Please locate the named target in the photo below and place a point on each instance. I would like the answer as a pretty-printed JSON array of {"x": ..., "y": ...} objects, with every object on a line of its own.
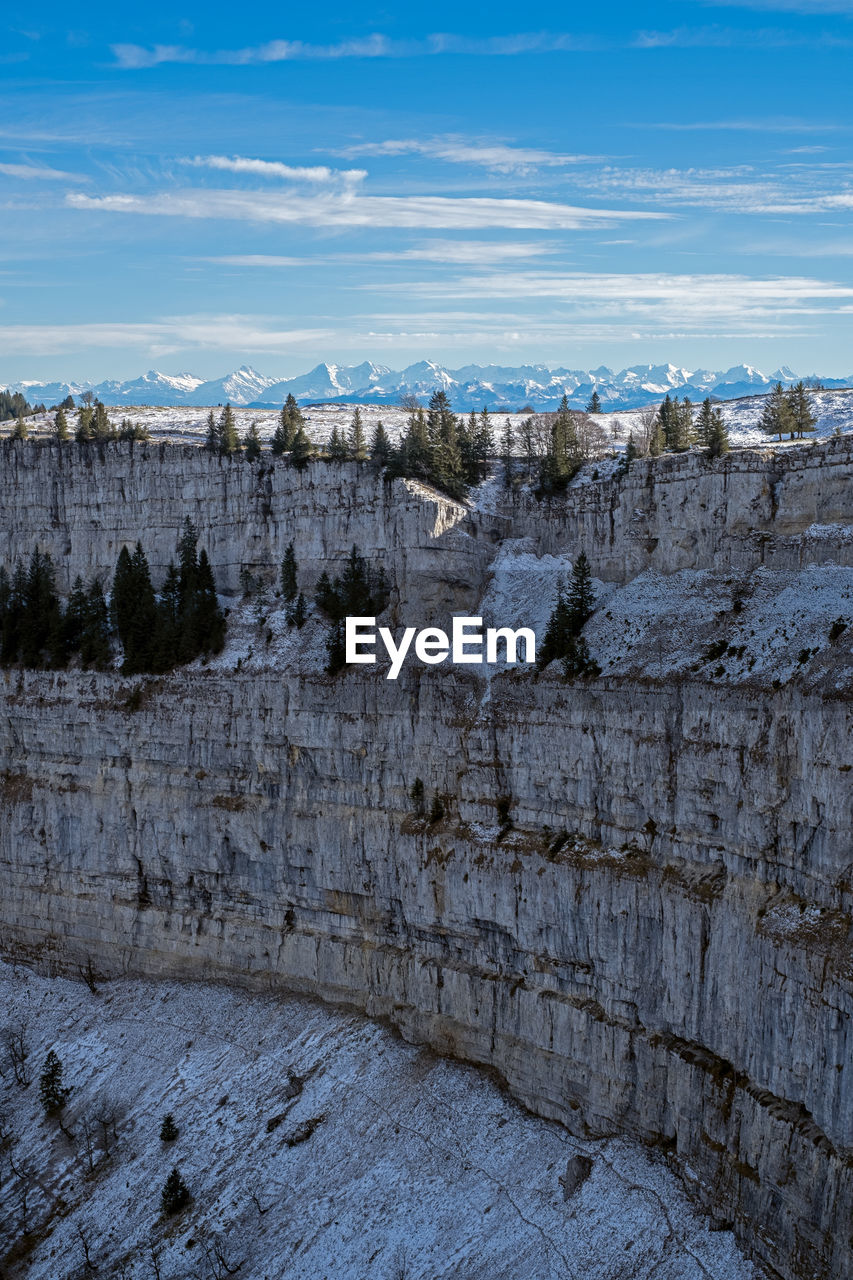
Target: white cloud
[
  {"x": 349, "y": 209},
  {"x": 772, "y": 124},
  {"x": 41, "y": 173},
  {"x": 789, "y": 6},
  {"x": 498, "y": 156},
  {"x": 794, "y": 189},
  {"x": 160, "y": 337},
  {"x": 138, "y": 57},
  {"x": 456, "y": 252},
  {"x": 696, "y": 302},
  {"x": 320, "y": 174},
  {"x": 716, "y": 37}
]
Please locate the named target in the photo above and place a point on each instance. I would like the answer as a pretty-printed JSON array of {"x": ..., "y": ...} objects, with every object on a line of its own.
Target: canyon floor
[{"x": 315, "y": 1144}]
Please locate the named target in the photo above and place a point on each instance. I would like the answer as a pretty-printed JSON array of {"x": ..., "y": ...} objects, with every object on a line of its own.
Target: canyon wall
[{"x": 635, "y": 905}]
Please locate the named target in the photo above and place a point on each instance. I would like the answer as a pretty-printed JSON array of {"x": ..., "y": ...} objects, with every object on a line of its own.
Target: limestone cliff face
[
  {"x": 636, "y": 905},
  {"x": 83, "y": 503},
  {"x": 683, "y": 512}
]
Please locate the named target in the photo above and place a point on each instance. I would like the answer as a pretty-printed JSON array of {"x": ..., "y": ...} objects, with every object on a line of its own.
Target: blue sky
[{"x": 200, "y": 186}]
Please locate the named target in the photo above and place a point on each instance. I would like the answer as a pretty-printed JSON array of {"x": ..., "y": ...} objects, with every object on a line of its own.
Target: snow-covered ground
[
  {"x": 771, "y": 625},
  {"x": 834, "y": 410},
  {"x": 316, "y": 1146}
]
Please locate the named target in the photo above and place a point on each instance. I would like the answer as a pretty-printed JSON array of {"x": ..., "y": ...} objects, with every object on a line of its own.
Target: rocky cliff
[{"x": 636, "y": 903}]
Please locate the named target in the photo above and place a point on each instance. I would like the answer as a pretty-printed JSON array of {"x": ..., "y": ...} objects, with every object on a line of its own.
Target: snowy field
[
  {"x": 316, "y": 1146},
  {"x": 834, "y": 410},
  {"x": 770, "y": 625}
]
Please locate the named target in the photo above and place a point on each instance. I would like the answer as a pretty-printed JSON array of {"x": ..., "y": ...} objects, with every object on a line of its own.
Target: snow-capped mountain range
[{"x": 469, "y": 387}]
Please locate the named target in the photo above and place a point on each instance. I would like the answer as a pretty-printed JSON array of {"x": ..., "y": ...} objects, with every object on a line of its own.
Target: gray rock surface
[{"x": 658, "y": 945}]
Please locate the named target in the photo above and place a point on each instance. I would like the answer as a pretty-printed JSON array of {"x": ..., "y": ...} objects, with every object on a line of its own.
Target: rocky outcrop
[
  {"x": 636, "y": 904},
  {"x": 83, "y": 503},
  {"x": 682, "y": 511}
]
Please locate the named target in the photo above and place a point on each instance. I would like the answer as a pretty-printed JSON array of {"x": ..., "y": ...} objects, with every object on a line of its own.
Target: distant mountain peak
[{"x": 469, "y": 387}]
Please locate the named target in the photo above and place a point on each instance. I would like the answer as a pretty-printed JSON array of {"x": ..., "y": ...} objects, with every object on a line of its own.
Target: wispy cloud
[
  {"x": 355, "y": 210},
  {"x": 717, "y": 37},
  {"x": 773, "y": 124},
  {"x": 40, "y": 173},
  {"x": 320, "y": 174},
  {"x": 500, "y": 157},
  {"x": 161, "y": 337},
  {"x": 798, "y": 189},
  {"x": 686, "y": 300},
  {"x": 138, "y": 57},
  {"x": 789, "y": 6},
  {"x": 442, "y": 252}
]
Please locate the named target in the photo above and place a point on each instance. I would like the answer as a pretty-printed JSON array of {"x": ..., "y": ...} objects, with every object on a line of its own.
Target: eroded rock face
[{"x": 636, "y": 908}]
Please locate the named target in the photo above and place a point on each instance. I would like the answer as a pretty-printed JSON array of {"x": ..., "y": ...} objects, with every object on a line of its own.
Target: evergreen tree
[
  {"x": 210, "y": 620},
  {"x": 682, "y": 434},
  {"x": 507, "y": 451},
  {"x": 74, "y": 619},
  {"x": 229, "y": 441},
  {"x": 466, "y": 437},
  {"x": 168, "y": 1129},
  {"x": 297, "y": 612},
  {"x": 14, "y": 602},
  {"x": 563, "y": 638},
  {"x": 294, "y": 413},
  {"x": 121, "y": 596},
  {"x": 95, "y": 637},
  {"x": 280, "y": 442},
  {"x": 188, "y": 561},
  {"x": 302, "y": 449},
  {"x": 594, "y": 405},
  {"x": 175, "y": 1194},
  {"x": 134, "y": 610},
  {"x": 445, "y": 463},
  {"x": 801, "y": 410},
  {"x": 417, "y": 794},
  {"x": 577, "y": 661},
  {"x": 337, "y": 446},
  {"x": 21, "y": 430},
  {"x": 213, "y": 439},
  {"x": 564, "y": 457},
  {"x": 416, "y": 452},
  {"x": 289, "y": 587},
  {"x": 580, "y": 598},
  {"x": 12, "y": 405},
  {"x": 557, "y": 632},
  {"x": 360, "y": 591},
  {"x": 84, "y": 432},
  {"x": 631, "y": 450},
  {"x": 356, "y": 444},
  {"x": 60, "y": 424},
  {"x": 52, "y": 1093},
  {"x": 668, "y": 417},
  {"x": 717, "y": 438},
  {"x": 252, "y": 443},
  {"x": 380, "y": 445},
  {"x": 484, "y": 444},
  {"x": 657, "y": 439},
  {"x": 102, "y": 428},
  {"x": 289, "y": 421},
  {"x": 777, "y": 417},
  {"x": 704, "y": 422},
  {"x": 133, "y": 430},
  {"x": 324, "y": 594},
  {"x": 40, "y": 625}
]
